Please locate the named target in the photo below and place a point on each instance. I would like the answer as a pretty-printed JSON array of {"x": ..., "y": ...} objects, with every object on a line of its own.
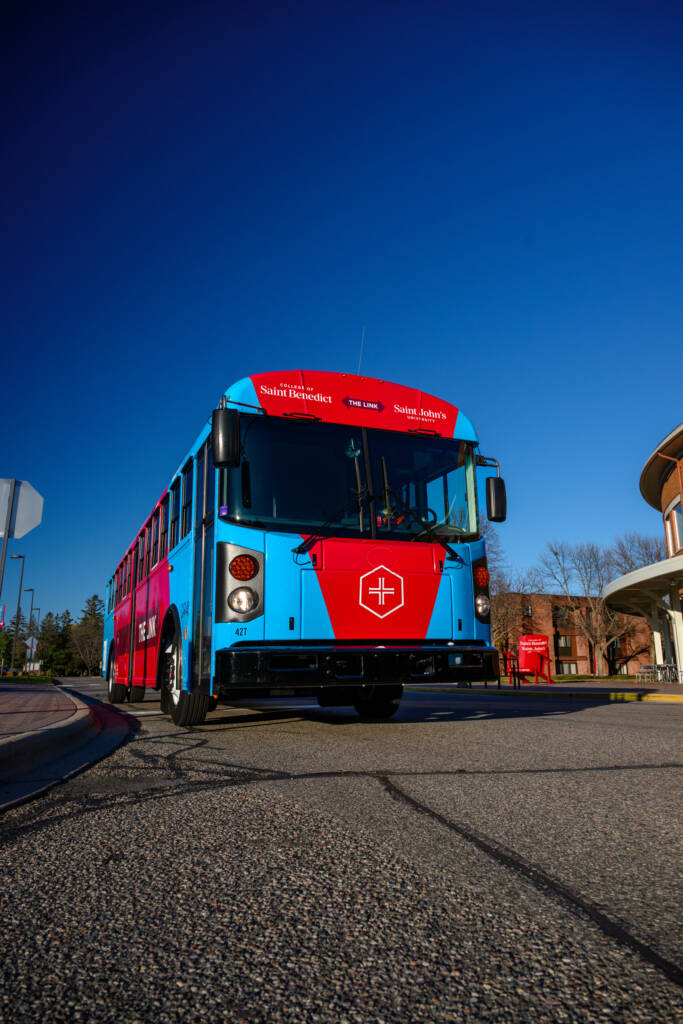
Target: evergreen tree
[
  {"x": 48, "y": 642},
  {"x": 7, "y": 640}
]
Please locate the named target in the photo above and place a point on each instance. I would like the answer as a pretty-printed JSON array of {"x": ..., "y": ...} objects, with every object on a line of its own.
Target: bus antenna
[{"x": 362, "y": 342}]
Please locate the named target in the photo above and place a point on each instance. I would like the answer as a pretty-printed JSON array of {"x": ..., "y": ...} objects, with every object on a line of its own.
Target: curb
[
  {"x": 608, "y": 695},
  {"x": 30, "y": 750}
]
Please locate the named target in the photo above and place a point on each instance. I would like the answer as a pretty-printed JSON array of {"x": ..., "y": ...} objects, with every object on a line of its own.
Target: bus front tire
[
  {"x": 116, "y": 692},
  {"x": 184, "y": 708},
  {"x": 136, "y": 694},
  {"x": 379, "y": 704}
]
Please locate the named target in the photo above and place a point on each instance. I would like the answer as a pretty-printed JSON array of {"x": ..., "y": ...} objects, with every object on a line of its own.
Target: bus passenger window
[
  {"x": 199, "y": 497},
  {"x": 186, "y": 520},
  {"x": 175, "y": 513},
  {"x": 148, "y": 548},
  {"x": 211, "y": 482},
  {"x": 163, "y": 529},
  {"x": 141, "y": 557},
  {"x": 155, "y": 538}
]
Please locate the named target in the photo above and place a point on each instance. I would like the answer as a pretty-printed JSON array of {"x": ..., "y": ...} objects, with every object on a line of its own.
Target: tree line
[
  {"x": 65, "y": 647},
  {"x": 578, "y": 574}
]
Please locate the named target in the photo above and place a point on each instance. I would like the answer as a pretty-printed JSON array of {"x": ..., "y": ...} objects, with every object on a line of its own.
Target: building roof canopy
[
  {"x": 639, "y": 592},
  {"x": 656, "y": 470}
]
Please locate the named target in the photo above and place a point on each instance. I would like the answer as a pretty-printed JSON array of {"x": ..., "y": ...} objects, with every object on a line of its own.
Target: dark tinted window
[
  {"x": 186, "y": 516},
  {"x": 163, "y": 529},
  {"x": 155, "y": 538},
  {"x": 175, "y": 513}
]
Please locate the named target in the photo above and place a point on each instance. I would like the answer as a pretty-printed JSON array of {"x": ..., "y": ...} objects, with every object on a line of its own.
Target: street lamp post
[
  {"x": 30, "y": 617},
  {"x": 30, "y": 650},
  {"x": 16, "y": 622}
]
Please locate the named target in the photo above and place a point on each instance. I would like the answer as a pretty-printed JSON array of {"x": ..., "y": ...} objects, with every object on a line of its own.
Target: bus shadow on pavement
[{"x": 422, "y": 708}]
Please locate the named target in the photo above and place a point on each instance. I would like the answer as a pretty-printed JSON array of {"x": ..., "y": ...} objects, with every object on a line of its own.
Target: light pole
[
  {"x": 30, "y": 617},
  {"x": 30, "y": 651},
  {"x": 16, "y": 622}
]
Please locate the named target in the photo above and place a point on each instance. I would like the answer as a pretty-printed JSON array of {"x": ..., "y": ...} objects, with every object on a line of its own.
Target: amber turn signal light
[
  {"x": 243, "y": 567},
  {"x": 481, "y": 577}
]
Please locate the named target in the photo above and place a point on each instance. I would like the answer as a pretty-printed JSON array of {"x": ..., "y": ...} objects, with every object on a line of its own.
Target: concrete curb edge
[
  {"x": 31, "y": 749},
  {"x": 608, "y": 695}
]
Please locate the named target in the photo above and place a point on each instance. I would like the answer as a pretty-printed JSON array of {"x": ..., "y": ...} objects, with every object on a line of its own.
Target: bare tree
[
  {"x": 512, "y": 608},
  {"x": 580, "y": 572},
  {"x": 633, "y": 551},
  {"x": 86, "y": 635},
  {"x": 495, "y": 556}
]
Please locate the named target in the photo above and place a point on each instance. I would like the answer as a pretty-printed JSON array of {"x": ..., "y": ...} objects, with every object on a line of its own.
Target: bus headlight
[
  {"x": 482, "y": 604},
  {"x": 243, "y": 600}
]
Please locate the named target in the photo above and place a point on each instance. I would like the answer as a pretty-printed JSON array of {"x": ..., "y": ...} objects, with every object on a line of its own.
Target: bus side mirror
[
  {"x": 225, "y": 437},
  {"x": 496, "y": 500}
]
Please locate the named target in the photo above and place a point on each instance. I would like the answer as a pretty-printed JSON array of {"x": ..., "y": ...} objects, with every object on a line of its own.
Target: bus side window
[
  {"x": 199, "y": 497},
  {"x": 148, "y": 547},
  {"x": 163, "y": 528},
  {"x": 186, "y": 522},
  {"x": 155, "y": 537},
  {"x": 141, "y": 557},
  {"x": 175, "y": 513},
  {"x": 210, "y": 481}
]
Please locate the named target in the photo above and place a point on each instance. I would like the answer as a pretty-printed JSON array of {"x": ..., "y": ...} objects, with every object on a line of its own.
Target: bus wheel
[
  {"x": 380, "y": 703},
  {"x": 136, "y": 694},
  {"x": 116, "y": 692},
  {"x": 185, "y": 708}
]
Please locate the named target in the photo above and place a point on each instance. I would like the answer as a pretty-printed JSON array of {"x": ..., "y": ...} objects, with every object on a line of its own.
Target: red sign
[
  {"x": 349, "y": 398},
  {"x": 533, "y": 652}
]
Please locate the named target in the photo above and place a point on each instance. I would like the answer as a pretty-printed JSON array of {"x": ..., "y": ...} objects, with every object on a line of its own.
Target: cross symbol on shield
[{"x": 381, "y": 591}]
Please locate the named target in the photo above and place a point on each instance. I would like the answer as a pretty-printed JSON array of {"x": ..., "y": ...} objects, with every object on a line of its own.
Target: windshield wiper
[
  {"x": 360, "y": 492},
  {"x": 414, "y": 515},
  {"x": 313, "y": 538},
  {"x": 352, "y": 452}
]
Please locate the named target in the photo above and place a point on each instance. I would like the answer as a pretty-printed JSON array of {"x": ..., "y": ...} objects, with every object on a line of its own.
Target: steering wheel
[{"x": 431, "y": 518}]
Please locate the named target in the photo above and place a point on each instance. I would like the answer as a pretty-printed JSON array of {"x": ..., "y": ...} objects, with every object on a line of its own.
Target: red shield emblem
[{"x": 381, "y": 591}]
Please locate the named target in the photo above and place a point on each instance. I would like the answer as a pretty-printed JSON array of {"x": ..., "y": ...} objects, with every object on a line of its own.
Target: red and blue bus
[{"x": 320, "y": 538}]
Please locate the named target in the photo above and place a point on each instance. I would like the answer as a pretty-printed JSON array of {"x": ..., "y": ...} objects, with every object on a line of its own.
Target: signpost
[{"x": 21, "y": 510}]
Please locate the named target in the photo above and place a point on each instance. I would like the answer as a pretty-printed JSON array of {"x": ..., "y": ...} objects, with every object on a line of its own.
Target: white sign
[{"x": 27, "y": 511}]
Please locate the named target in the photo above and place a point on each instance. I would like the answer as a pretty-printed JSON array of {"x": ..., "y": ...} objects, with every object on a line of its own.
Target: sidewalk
[{"x": 47, "y": 734}]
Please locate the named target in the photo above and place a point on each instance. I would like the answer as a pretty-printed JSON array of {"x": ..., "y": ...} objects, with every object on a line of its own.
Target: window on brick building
[
  {"x": 567, "y": 668},
  {"x": 564, "y": 642}
]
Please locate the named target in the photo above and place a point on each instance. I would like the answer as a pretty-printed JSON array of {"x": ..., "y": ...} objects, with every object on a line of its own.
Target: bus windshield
[{"x": 325, "y": 478}]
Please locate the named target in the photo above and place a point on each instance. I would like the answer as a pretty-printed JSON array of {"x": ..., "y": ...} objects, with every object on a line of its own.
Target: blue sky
[{"x": 192, "y": 193}]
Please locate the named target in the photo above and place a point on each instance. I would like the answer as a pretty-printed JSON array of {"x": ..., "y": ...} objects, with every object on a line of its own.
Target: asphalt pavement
[
  {"x": 482, "y": 856},
  {"x": 50, "y": 730}
]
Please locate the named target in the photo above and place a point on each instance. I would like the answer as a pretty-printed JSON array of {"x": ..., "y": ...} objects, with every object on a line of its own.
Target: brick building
[{"x": 515, "y": 614}]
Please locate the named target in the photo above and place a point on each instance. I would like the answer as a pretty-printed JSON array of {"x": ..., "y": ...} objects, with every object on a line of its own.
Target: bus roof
[{"x": 349, "y": 398}]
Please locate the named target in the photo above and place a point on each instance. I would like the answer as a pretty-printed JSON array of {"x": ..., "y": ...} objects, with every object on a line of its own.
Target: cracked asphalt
[{"x": 476, "y": 858}]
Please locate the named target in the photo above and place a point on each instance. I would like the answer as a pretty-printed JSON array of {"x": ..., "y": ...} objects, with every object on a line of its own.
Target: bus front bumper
[{"x": 311, "y": 667}]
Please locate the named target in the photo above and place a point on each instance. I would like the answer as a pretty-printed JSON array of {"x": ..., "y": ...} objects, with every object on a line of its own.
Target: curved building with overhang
[{"x": 655, "y": 590}]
